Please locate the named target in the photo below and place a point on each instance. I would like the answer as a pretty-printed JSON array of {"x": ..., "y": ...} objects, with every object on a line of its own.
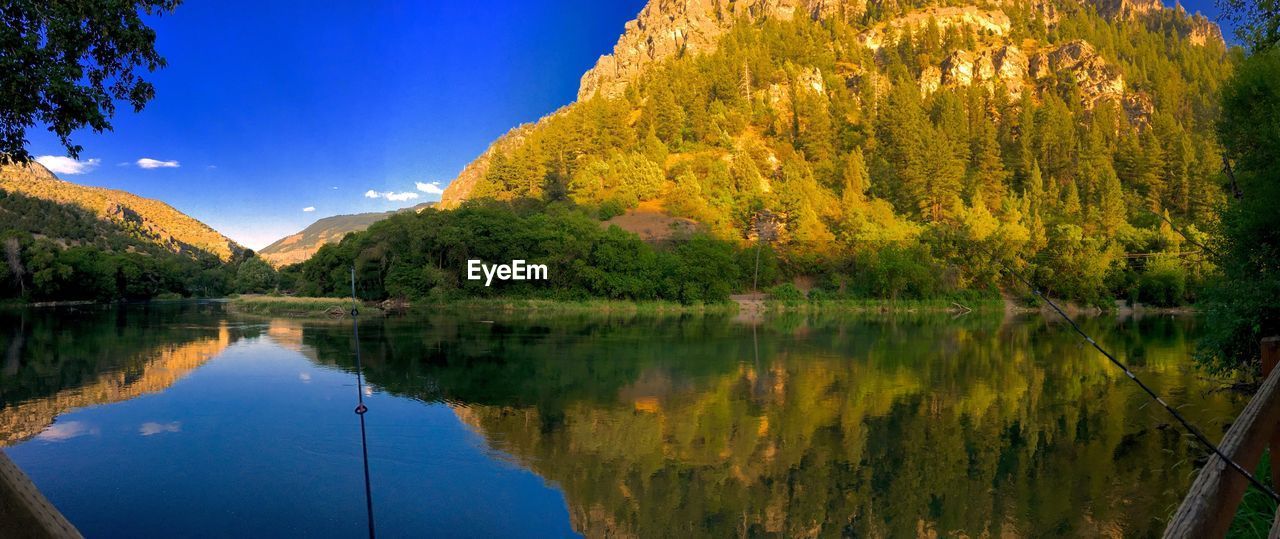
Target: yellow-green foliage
[{"x": 855, "y": 152}]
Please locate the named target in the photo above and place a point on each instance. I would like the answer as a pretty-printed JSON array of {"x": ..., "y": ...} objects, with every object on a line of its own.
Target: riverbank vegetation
[{"x": 1243, "y": 306}]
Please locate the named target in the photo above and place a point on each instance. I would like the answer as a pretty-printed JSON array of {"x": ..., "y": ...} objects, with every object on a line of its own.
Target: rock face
[
  {"x": 1204, "y": 31},
  {"x": 1009, "y": 65},
  {"x": 150, "y": 220},
  {"x": 665, "y": 28},
  {"x": 1126, "y": 9},
  {"x": 991, "y": 21},
  {"x": 1096, "y": 78},
  {"x": 460, "y": 188}
]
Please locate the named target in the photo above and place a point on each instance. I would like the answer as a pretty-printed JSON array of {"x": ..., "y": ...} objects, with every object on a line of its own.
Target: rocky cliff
[{"x": 666, "y": 28}]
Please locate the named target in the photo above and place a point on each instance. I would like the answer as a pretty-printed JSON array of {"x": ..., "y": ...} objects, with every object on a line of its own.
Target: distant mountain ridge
[
  {"x": 149, "y": 221},
  {"x": 298, "y": 247}
]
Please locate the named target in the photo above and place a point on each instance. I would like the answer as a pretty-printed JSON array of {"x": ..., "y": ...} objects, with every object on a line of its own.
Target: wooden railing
[{"x": 1210, "y": 506}]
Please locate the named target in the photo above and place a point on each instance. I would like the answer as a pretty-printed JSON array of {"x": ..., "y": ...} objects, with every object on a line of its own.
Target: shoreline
[
  {"x": 750, "y": 305},
  {"x": 742, "y": 305}
]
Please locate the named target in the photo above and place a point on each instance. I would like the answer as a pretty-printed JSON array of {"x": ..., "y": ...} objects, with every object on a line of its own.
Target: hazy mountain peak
[{"x": 300, "y": 246}]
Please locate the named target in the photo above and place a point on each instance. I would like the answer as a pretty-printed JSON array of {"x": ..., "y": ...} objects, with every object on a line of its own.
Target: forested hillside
[
  {"x": 63, "y": 241},
  {"x": 891, "y": 139}
]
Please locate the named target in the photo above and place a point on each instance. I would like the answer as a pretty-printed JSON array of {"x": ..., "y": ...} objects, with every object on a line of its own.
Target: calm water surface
[{"x": 184, "y": 420}]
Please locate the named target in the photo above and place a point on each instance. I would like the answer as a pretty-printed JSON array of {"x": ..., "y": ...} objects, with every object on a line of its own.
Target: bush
[
  {"x": 611, "y": 208},
  {"x": 819, "y": 294},
  {"x": 1164, "y": 283},
  {"x": 786, "y": 292},
  {"x": 897, "y": 273}
]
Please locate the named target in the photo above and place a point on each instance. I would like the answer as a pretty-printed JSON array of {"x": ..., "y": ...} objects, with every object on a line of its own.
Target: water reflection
[
  {"x": 61, "y": 360},
  {"x": 698, "y": 426},
  {"x": 816, "y": 427}
]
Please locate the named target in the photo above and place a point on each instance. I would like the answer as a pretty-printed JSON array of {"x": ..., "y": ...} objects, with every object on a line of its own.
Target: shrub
[
  {"x": 786, "y": 292},
  {"x": 1164, "y": 283}
]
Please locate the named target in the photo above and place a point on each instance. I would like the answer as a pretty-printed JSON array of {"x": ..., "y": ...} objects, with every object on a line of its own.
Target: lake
[{"x": 185, "y": 420}]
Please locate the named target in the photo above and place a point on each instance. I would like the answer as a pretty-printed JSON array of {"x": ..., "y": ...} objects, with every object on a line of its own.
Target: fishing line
[
  {"x": 1195, "y": 432},
  {"x": 360, "y": 407}
]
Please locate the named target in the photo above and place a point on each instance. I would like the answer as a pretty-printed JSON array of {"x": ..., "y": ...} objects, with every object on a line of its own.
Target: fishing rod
[
  {"x": 1186, "y": 424},
  {"x": 360, "y": 407}
]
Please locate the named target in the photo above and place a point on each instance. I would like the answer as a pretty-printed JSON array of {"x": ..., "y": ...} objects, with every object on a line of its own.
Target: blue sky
[{"x": 269, "y": 108}]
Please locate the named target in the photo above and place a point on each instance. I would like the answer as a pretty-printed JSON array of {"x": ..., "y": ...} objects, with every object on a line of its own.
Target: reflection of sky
[
  {"x": 241, "y": 448},
  {"x": 65, "y": 430},
  {"x": 151, "y": 427}
]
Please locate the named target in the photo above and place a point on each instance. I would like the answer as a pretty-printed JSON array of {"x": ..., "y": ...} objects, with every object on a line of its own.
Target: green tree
[
  {"x": 1110, "y": 201},
  {"x": 855, "y": 181},
  {"x": 255, "y": 276},
  {"x": 1243, "y": 308},
  {"x": 65, "y": 63}
]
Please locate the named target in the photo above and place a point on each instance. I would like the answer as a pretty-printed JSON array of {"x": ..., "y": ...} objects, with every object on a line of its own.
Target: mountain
[
  {"x": 74, "y": 214},
  {"x": 722, "y": 96},
  {"x": 884, "y": 149},
  {"x": 298, "y": 247}
]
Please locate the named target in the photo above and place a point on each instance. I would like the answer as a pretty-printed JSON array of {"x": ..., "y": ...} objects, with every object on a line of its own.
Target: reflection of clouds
[
  {"x": 152, "y": 427},
  {"x": 368, "y": 391},
  {"x": 305, "y": 377},
  {"x": 65, "y": 431}
]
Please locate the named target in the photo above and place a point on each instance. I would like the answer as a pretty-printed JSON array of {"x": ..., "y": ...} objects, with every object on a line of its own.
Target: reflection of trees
[
  {"x": 59, "y": 361},
  {"x": 883, "y": 427}
]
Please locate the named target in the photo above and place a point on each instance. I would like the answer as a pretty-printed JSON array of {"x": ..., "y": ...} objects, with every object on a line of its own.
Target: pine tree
[
  {"x": 1034, "y": 188},
  {"x": 1071, "y": 206},
  {"x": 856, "y": 181},
  {"x": 1111, "y": 207},
  {"x": 902, "y": 129},
  {"x": 668, "y": 117},
  {"x": 987, "y": 173},
  {"x": 814, "y": 132}
]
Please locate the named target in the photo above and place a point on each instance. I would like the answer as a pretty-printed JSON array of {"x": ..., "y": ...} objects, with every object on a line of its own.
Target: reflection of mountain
[
  {"x": 156, "y": 369},
  {"x": 880, "y": 428},
  {"x": 288, "y": 334}
]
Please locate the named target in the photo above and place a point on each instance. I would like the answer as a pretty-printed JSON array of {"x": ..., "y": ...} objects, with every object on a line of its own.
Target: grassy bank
[
  {"x": 307, "y": 307},
  {"x": 1256, "y": 512},
  {"x": 883, "y": 305},
  {"x": 294, "y": 307},
  {"x": 576, "y": 306},
  {"x": 312, "y": 307}
]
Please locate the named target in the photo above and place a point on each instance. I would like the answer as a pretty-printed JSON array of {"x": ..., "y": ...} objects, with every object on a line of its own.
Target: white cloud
[
  {"x": 309, "y": 209},
  {"x": 58, "y": 432},
  {"x": 391, "y": 195},
  {"x": 432, "y": 188},
  {"x": 66, "y": 165},
  {"x": 149, "y": 163},
  {"x": 152, "y": 427}
]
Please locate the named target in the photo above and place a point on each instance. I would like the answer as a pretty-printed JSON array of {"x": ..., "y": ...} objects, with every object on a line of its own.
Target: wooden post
[
  {"x": 24, "y": 511},
  {"x": 1271, "y": 356},
  {"x": 1210, "y": 505}
]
